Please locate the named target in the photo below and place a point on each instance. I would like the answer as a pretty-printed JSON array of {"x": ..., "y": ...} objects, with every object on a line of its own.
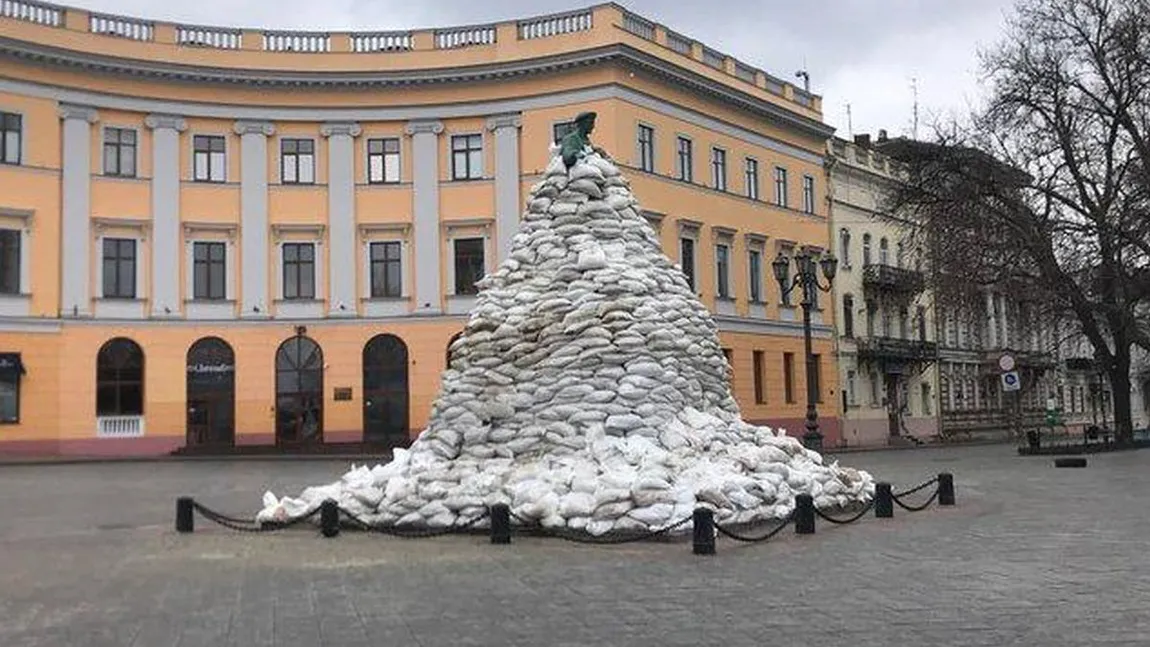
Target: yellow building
[{"x": 222, "y": 236}]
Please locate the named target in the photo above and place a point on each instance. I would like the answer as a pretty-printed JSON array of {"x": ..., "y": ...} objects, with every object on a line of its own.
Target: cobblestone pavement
[{"x": 1032, "y": 555}]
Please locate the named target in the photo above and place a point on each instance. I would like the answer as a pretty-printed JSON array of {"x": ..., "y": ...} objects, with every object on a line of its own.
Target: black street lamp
[{"x": 807, "y": 277}]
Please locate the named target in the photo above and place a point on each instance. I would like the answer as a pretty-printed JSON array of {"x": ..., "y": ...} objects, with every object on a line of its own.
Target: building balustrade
[
  {"x": 888, "y": 278},
  {"x": 119, "y": 426},
  {"x": 888, "y": 349}
]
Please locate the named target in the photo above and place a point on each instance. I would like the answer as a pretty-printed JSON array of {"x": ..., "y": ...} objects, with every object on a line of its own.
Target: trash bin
[{"x": 1033, "y": 438}]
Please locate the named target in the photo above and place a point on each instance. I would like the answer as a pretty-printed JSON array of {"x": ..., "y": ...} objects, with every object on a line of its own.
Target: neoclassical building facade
[{"x": 222, "y": 237}]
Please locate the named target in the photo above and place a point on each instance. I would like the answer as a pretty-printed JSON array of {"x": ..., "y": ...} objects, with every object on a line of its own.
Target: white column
[
  {"x": 166, "y": 131},
  {"x": 425, "y": 209},
  {"x": 254, "y": 217},
  {"x": 75, "y": 208},
  {"x": 341, "y": 216},
  {"x": 991, "y": 323},
  {"x": 1005, "y": 315},
  {"x": 507, "y": 181}
]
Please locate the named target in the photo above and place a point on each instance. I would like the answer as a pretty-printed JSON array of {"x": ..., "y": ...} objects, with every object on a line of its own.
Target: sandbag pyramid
[{"x": 587, "y": 391}]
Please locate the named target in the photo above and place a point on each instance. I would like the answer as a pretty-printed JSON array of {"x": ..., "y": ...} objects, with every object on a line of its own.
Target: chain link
[
  {"x": 413, "y": 533},
  {"x": 853, "y": 518},
  {"x": 250, "y": 525},
  {"x": 915, "y": 508},
  {"x": 917, "y": 488},
  {"x": 751, "y": 540},
  {"x": 608, "y": 538}
]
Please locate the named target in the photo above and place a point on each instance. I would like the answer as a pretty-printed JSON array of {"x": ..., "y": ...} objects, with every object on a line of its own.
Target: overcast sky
[{"x": 859, "y": 52}]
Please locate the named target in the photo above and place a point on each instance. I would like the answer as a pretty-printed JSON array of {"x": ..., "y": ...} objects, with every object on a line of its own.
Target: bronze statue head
[{"x": 585, "y": 122}]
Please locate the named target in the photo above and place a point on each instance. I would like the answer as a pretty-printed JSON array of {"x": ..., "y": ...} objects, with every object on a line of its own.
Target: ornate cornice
[
  {"x": 618, "y": 52},
  {"x": 88, "y": 114},
  {"x": 174, "y": 122},
  {"x": 504, "y": 121},
  {"x": 426, "y": 126},
  {"x": 340, "y": 128},
  {"x": 244, "y": 127}
]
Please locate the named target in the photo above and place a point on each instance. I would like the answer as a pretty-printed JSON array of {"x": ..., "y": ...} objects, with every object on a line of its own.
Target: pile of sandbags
[{"x": 588, "y": 390}]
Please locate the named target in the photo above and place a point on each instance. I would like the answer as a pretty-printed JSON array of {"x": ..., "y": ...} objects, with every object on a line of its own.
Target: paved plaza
[{"x": 1032, "y": 555}]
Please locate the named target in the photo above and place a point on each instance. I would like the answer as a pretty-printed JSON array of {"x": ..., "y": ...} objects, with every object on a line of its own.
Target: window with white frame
[
  {"x": 383, "y": 160},
  {"x": 723, "y": 270},
  {"x": 851, "y": 378},
  {"x": 645, "y": 136},
  {"x": 845, "y": 247},
  {"x": 719, "y": 169},
  {"x": 297, "y": 161},
  {"x": 209, "y": 158},
  {"x": 808, "y": 194},
  {"x": 466, "y": 157},
  {"x": 561, "y": 130},
  {"x": 866, "y": 249},
  {"x": 120, "y": 152},
  {"x": 780, "y": 186},
  {"x": 755, "y": 275},
  {"x": 11, "y": 137},
  {"x": 687, "y": 239},
  {"x": 298, "y": 270},
  {"x": 119, "y": 260},
  {"x": 470, "y": 263},
  {"x": 751, "y": 178},
  {"x": 10, "y": 260},
  {"x": 883, "y": 252},
  {"x": 685, "y": 163},
  {"x": 386, "y": 269},
  {"x": 209, "y": 270}
]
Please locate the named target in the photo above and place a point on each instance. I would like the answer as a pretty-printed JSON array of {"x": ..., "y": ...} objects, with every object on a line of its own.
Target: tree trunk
[{"x": 1119, "y": 375}]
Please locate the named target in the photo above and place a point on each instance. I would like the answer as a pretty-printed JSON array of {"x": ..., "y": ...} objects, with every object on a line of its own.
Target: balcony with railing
[
  {"x": 1028, "y": 360},
  {"x": 879, "y": 277},
  {"x": 119, "y": 426},
  {"x": 60, "y": 26},
  {"x": 895, "y": 350}
]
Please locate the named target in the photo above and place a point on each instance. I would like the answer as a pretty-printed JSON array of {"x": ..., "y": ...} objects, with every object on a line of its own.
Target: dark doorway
[
  {"x": 385, "y": 393},
  {"x": 893, "y": 404},
  {"x": 299, "y": 392},
  {"x": 211, "y": 393}
]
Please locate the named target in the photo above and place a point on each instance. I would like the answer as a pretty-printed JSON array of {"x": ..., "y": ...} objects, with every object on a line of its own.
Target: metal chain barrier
[
  {"x": 413, "y": 533},
  {"x": 917, "y": 488},
  {"x": 853, "y": 518},
  {"x": 915, "y": 508},
  {"x": 250, "y": 525},
  {"x": 613, "y": 537},
  {"x": 751, "y": 540}
]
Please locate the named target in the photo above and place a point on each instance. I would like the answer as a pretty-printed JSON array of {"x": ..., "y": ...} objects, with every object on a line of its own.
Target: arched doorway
[
  {"x": 120, "y": 383},
  {"x": 385, "y": 394},
  {"x": 299, "y": 392},
  {"x": 211, "y": 393}
]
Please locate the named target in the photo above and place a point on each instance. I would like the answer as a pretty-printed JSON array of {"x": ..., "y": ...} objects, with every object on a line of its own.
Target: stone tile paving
[{"x": 1032, "y": 555}]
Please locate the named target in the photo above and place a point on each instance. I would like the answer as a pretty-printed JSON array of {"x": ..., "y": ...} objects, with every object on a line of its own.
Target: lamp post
[{"x": 807, "y": 277}]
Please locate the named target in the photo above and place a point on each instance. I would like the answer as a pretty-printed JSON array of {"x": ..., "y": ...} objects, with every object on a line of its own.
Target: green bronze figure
[{"x": 575, "y": 142}]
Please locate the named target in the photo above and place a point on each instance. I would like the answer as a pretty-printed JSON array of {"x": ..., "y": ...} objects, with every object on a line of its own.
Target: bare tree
[{"x": 1044, "y": 192}]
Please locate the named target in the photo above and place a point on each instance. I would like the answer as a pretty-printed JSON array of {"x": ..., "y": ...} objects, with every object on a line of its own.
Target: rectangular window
[
  {"x": 386, "y": 270},
  {"x": 560, "y": 130},
  {"x": 723, "y": 270},
  {"x": 209, "y": 268},
  {"x": 466, "y": 157},
  {"x": 11, "y": 137},
  {"x": 757, "y": 361},
  {"x": 780, "y": 186},
  {"x": 686, "y": 160},
  {"x": 789, "y": 377},
  {"x": 752, "y": 178},
  {"x": 120, "y": 152},
  {"x": 208, "y": 159},
  {"x": 119, "y": 268},
  {"x": 299, "y": 270},
  {"x": 646, "y": 143},
  {"x": 687, "y": 260},
  {"x": 755, "y": 265},
  {"x": 9, "y": 261},
  {"x": 808, "y": 194},
  {"x": 11, "y": 369},
  {"x": 383, "y": 161},
  {"x": 297, "y": 161},
  {"x": 921, "y": 314},
  {"x": 848, "y": 316},
  {"x": 817, "y": 376},
  {"x": 926, "y": 400},
  {"x": 719, "y": 169},
  {"x": 469, "y": 264},
  {"x": 851, "y": 377}
]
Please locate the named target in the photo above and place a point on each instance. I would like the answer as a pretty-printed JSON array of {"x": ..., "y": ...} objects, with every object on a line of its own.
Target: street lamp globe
[
  {"x": 830, "y": 266},
  {"x": 782, "y": 268}
]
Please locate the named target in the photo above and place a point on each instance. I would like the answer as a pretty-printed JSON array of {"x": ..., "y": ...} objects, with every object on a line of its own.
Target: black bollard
[
  {"x": 329, "y": 518},
  {"x": 945, "y": 489},
  {"x": 500, "y": 524},
  {"x": 804, "y": 514},
  {"x": 704, "y": 522},
  {"x": 185, "y": 514},
  {"x": 883, "y": 501}
]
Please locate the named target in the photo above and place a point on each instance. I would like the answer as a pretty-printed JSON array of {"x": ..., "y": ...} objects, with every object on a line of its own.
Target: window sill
[
  {"x": 460, "y": 304},
  {"x": 725, "y": 306},
  {"x": 209, "y": 308},
  {"x": 386, "y": 306},
  {"x": 120, "y": 308},
  {"x": 299, "y": 308},
  {"x": 467, "y": 179},
  {"x": 15, "y": 305}
]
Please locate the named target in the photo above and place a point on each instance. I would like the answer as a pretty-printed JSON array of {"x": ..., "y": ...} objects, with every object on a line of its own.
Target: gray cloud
[{"x": 861, "y": 52}]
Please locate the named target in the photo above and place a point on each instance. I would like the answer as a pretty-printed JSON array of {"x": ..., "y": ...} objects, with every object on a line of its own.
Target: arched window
[
  {"x": 385, "y": 390},
  {"x": 299, "y": 391},
  {"x": 120, "y": 378},
  {"x": 883, "y": 252},
  {"x": 845, "y": 247},
  {"x": 211, "y": 392},
  {"x": 866, "y": 249}
]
